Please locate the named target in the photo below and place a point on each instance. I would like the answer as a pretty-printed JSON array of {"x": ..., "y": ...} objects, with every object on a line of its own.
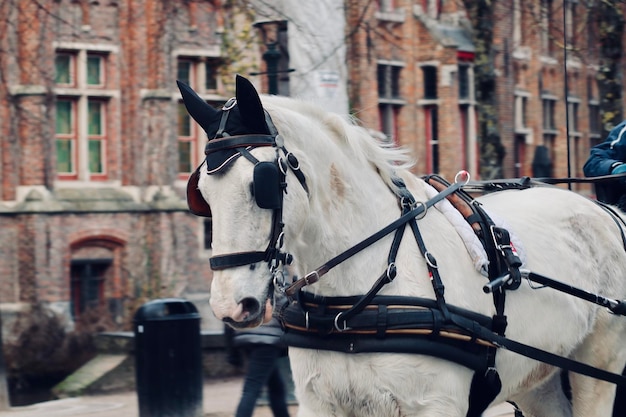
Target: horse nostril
[{"x": 250, "y": 306}]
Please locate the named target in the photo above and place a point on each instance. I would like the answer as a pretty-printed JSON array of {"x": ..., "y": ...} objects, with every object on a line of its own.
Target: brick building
[
  {"x": 95, "y": 151},
  {"x": 411, "y": 66}
]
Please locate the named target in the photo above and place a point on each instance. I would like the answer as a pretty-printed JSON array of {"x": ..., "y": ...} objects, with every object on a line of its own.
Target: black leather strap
[
  {"x": 231, "y": 142},
  {"x": 232, "y": 260},
  {"x": 316, "y": 274}
]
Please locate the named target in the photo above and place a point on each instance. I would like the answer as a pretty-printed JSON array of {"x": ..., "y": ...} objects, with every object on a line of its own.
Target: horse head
[{"x": 241, "y": 185}]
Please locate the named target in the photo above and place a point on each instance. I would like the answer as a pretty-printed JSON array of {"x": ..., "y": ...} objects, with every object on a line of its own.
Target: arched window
[
  {"x": 95, "y": 277},
  {"x": 87, "y": 284}
]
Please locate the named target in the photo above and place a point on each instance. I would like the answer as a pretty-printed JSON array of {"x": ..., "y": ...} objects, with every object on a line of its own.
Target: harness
[{"x": 375, "y": 323}]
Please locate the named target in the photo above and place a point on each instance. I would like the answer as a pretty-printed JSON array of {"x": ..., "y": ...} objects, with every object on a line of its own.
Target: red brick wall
[
  {"x": 143, "y": 225},
  {"x": 411, "y": 42}
]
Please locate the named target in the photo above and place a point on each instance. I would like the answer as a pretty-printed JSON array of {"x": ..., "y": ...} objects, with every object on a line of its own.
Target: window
[
  {"x": 64, "y": 69},
  {"x": 595, "y": 121},
  {"x": 431, "y": 119},
  {"x": 210, "y": 76},
  {"x": 94, "y": 70},
  {"x": 430, "y": 82},
  {"x": 389, "y": 98},
  {"x": 464, "y": 82},
  {"x": 184, "y": 73},
  {"x": 87, "y": 284},
  {"x": 549, "y": 104},
  {"x": 467, "y": 111},
  {"x": 521, "y": 111},
  {"x": 388, "y": 114},
  {"x": 201, "y": 73},
  {"x": 81, "y": 118},
  {"x": 573, "y": 104},
  {"x": 389, "y": 81},
  {"x": 186, "y": 141},
  {"x": 432, "y": 138},
  {"x": 65, "y": 136},
  {"x": 549, "y": 126}
]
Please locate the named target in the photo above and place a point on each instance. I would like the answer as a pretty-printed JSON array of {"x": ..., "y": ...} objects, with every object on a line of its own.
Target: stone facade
[
  {"x": 413, "y": 35},
  {"x": 127, "y": 226}
]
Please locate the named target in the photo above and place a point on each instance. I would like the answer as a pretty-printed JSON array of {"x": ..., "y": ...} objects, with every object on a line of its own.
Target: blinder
[
  {"x": 267, "y": 185},
  {"x": 197, "y": 204}
]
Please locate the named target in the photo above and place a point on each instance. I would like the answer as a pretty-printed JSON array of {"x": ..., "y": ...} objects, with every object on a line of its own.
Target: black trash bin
[{"x": 168, "y": 359}]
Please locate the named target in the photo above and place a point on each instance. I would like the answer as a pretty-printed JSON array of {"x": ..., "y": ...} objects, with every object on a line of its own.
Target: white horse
[{"x": 341, "y": 193}]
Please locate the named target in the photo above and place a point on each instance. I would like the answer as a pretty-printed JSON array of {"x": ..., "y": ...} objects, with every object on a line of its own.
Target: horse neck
[{"x": 349, "y": 202}]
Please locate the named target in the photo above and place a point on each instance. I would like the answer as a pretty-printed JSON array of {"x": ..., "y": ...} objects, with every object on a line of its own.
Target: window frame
[
  {"x": 548, "y": 110},
  {"x": 199, "y": 63},
  {"x": 78, "y": 282},
  {"x": 390, "y": 101},
  {"x": 71, "y": 137},
  {"x": 431, "y": 129},
  {"x": 82, "y": 94}
]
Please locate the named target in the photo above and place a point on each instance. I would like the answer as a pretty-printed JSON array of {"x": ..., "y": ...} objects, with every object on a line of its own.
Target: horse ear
[
  {"x": 250, "y": 107},
  {"x": 196, "y": 106}
]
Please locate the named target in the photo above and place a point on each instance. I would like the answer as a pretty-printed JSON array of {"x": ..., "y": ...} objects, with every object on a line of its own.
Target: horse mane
[{"x": 386, "y": 158}]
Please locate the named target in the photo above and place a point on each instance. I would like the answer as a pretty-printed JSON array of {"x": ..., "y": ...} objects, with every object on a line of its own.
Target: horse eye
[{"x": 252, "y": 189}]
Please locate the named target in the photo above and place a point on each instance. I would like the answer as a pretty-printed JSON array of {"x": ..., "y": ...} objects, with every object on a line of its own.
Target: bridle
[{"x": 268, "y": 186}]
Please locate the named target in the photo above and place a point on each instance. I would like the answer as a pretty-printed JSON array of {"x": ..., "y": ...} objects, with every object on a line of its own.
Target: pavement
[{"x": 220, "y": 398}]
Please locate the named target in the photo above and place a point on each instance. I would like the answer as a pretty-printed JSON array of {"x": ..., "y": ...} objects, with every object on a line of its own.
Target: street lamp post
[
  {"x": 269, "y": 33},
  {"x": 271, "y": 57}
]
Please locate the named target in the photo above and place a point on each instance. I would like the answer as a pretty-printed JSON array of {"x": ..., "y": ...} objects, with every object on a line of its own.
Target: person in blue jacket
[{"x": 607, "y": 158}]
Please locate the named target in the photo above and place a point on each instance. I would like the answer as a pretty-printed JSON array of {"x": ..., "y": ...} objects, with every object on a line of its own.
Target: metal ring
[
  {"x": 433, "y": 263},
  {"x": 464, "y": 173},
  {"x": 345, "y": 325},
  {"x": 232, "y": 102},
  {"x": 421, "y": 215},
  {"x": 306, "y": 320},
  {"x": 391, "y": 267},
  {"x": 282, "y": 164},
  {"x": 292, "y": 166},
  {"x": 276, "y": 273}
]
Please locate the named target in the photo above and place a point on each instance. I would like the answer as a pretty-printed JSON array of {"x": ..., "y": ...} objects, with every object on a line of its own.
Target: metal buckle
[
  {"x": 307, "y": 277},
  {"x": 345, "y": 325}
]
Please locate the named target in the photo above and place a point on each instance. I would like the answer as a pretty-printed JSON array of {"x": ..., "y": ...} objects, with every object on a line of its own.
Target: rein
[{"x": 418, "y": 211}]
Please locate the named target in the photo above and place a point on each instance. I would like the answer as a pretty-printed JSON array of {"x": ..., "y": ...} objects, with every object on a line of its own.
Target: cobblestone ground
[{"x": 220, "y": 398}]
